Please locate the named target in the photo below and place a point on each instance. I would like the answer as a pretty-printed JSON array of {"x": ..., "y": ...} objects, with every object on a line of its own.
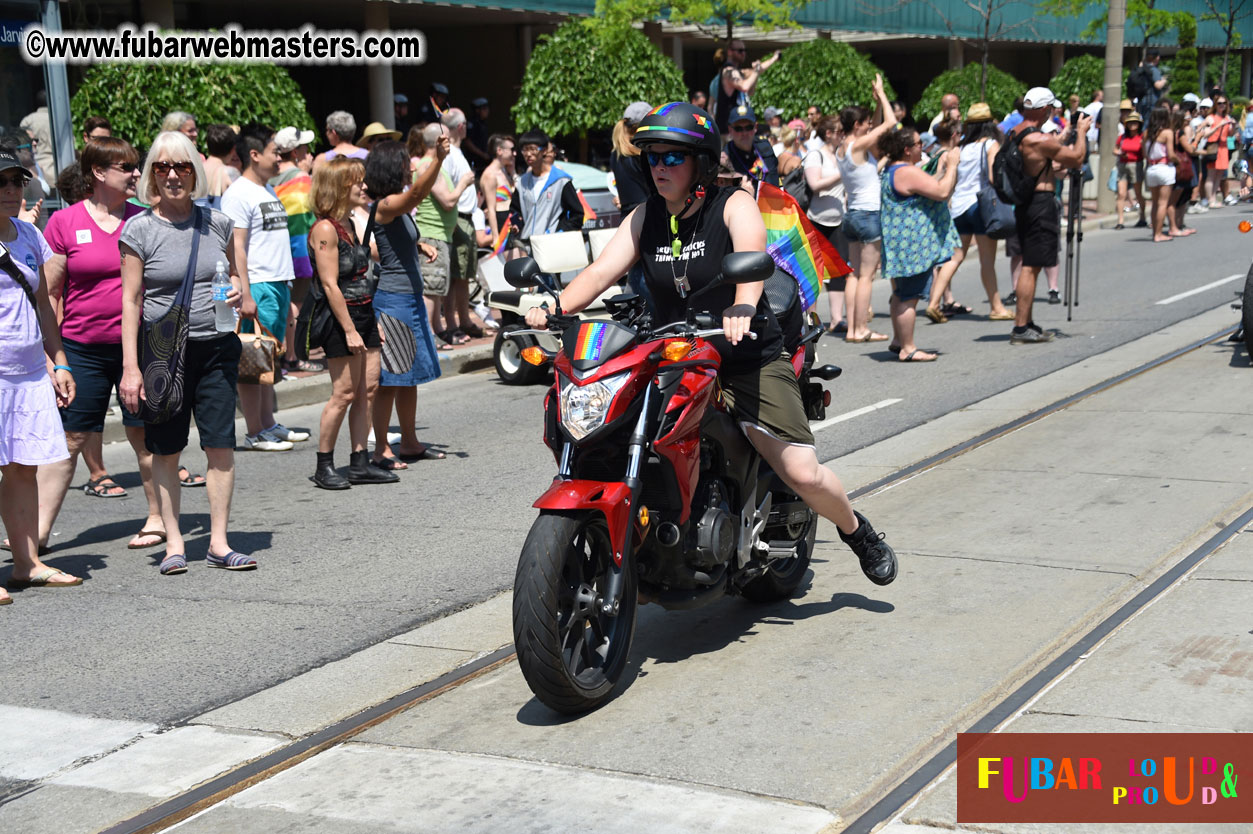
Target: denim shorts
[
  {"x": 970, "y": 222},
  {"x": 97, "y": 372},
  {"x": 861, "y": 226},
  {"x": 913, "y": 287}
]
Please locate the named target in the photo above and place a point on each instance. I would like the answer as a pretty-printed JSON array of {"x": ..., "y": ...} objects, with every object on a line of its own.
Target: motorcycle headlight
[{"x": 584, "y": 408}]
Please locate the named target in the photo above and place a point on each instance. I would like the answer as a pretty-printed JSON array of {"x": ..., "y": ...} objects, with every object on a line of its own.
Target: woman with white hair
[
  {"x": 184, "y": 123},
  {"x": 157, "y": 249},
  {"x": 340, "y": 128}
]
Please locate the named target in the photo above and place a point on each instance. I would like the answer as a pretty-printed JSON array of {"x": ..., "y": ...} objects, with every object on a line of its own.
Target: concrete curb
[{"x": 311, "y": 390}]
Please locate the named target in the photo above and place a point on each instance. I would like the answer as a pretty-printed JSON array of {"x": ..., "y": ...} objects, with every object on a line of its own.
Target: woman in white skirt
[
  {"x": 30, "y": 427},
  {"x": 1160, "y": 175}
]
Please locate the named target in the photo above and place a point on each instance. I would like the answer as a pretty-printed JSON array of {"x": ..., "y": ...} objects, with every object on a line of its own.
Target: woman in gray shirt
[{"x": 156, "y": 247}]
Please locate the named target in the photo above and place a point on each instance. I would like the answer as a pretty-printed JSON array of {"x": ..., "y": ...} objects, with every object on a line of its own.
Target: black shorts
[
  {"x": 1039, "y": 229},
  {"x": 835, "y": 234},
  {"x": 210, "y": 374},
  {"x": 362, "y": 316},
  {"x": 97, "y": 372}
]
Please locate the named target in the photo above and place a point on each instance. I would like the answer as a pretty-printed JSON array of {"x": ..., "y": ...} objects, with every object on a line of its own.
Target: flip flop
[
  {"x": 909, "y": 357},
  {"x": 44, "y": 550},
  {"x": 40, "y": 580},
  {"x": 160, "y": 534},
  {"x": 873, "y": 337},
  {"x": 6, "y": 601},
  {"x": 190, "y": 480},
  {"x": 426, "y": 454}
]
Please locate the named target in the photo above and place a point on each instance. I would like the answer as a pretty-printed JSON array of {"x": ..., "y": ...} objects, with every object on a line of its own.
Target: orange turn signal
[
  {"x": 1245, "y": 226},
  {"x": 534, "y": 355},
  {"x": 676, "y": 350},
  {"x": 643, "y": 516}
]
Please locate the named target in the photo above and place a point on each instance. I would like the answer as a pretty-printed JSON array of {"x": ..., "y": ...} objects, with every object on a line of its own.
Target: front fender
[{"x": 612, "y": 500}]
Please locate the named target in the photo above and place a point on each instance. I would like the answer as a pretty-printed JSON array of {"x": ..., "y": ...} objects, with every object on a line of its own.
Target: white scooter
[{"x": 562, "y": 252}]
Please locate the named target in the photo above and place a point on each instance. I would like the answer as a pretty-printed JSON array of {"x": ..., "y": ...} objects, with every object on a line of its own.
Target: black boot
[
  {"x": 325, "y": 476},
  {"x": 878, "y": 560},
  {"x": 361, "y": 471}
]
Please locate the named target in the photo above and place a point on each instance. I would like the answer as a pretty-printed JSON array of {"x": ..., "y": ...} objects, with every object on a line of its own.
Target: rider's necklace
[{"x": 681, "y": 285}]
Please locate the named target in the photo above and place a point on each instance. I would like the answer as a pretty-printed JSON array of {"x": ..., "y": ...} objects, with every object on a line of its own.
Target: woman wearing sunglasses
[
  {"x": 703, "y": 222},
  {"x": 30, "y": 431},
  {"x": 85, "y": 285},
  {"x": 156, "y": 249}
]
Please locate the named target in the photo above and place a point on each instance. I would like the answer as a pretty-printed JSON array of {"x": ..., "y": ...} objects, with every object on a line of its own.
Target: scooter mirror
[
  {"x": 522, "y": 273},
  {"x": 746, "y": 267}
]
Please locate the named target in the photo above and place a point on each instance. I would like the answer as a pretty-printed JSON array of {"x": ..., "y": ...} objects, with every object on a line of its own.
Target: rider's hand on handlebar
[
  {"x": 537, "y": 317},
  {"x": 737, "y": 321}
]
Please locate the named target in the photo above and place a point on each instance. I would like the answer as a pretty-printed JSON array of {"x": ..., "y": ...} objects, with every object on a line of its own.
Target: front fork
[{"x": 636, "y": 446}]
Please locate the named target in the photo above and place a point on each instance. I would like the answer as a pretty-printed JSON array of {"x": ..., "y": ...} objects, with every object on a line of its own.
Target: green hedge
[
  {"x": 822, "y": 73},
  {"x": 1002, "y": 89},
  {"x": 136, "y": 97}
]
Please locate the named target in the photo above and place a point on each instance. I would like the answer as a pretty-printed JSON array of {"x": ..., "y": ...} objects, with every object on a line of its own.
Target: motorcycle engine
[{"x": 716, "y": 530}]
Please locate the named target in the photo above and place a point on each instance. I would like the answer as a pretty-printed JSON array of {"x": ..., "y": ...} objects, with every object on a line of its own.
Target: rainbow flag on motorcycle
[{"x": 795, "y": 245}]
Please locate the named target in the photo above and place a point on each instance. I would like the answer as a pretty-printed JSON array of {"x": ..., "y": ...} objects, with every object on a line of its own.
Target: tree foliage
[
  {"x": 1227, "y": 14},
  {"x": 1002, "y": 89},
  {"x": 713, "y": 17},
  {"x": 1143, "y": 15},
  {"x": 577, "y": 80},
  {"x": 821, "y": 72},
  {"x": 1185, "y": 77},
  {"x": 1079, "y": 76},
  {"x": 136, "y": 97}
]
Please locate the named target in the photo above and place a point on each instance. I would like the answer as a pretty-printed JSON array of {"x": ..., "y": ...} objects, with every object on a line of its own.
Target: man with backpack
[
  {"x": 1146, "y": 84},
  {"x": 1023, "y": 176}
]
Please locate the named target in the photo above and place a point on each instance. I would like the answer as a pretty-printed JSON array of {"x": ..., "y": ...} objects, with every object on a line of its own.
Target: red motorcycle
[{"x": 659, "y": 496}]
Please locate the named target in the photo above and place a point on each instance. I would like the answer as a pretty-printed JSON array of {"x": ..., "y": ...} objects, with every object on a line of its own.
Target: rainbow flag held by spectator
[
  {"x": 795, "y": 245},
  {"x": 504, "y": 237},
  {"x": 295, "y": 189}
]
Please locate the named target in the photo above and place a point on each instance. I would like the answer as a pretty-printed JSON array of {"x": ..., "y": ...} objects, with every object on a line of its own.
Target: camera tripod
[{"x": 1074, "y": 238}]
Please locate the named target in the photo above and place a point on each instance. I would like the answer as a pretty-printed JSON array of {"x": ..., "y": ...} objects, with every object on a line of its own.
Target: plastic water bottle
[{"x": 221, "y": 288}]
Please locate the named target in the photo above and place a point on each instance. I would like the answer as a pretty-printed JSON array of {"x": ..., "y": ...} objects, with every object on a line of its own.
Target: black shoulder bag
[{"x": 163, "y": 344}]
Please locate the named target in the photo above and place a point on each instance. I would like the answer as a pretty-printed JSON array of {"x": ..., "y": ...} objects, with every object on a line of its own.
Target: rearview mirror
[
  {"x": 746, "y": 267},
  {"x": 522, "y": 273}
]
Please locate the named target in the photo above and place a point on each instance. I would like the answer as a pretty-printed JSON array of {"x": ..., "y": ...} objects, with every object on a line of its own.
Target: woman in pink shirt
[{"x": 85, "y": 281}]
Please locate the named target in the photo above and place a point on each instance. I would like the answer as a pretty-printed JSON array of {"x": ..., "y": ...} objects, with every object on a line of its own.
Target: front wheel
[
  {"x": 1246, "y": 313},
  {"x": 507, "y": 355},
  {"x": 570, "y": 652}
]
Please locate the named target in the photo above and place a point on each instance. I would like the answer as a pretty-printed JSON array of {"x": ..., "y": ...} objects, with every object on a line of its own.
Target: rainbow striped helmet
[{"x": 680, "y": 123}]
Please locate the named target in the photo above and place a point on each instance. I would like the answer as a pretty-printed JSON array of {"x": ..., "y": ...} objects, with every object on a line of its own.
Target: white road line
[
  {"x": 831, "y": 421},
  {"x": 1198, "y": 290}
]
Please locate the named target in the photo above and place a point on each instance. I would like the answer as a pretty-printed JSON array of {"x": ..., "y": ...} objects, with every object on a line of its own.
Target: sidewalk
[{"x": 792, "y": 717}]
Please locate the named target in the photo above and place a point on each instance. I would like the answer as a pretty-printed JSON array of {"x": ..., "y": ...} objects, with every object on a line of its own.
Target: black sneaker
[
  {"x": 878, "y": 560},
  {"x": 1012, "y": 298},
  {"x": 1030, "y": 335},
  {"x": 1055, "y": 297},
  {"x": 1143, "y": 224}
]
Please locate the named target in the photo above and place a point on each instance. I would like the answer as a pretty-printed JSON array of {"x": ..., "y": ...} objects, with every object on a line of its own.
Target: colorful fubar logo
[{"x": 1104, "y": 777}]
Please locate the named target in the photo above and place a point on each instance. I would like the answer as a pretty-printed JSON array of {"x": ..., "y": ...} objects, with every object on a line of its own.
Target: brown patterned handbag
[{"x": 258, "y": 361}]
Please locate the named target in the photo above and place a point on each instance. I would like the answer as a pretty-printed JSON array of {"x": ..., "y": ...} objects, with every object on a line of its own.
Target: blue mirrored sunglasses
[{"x": 670, "y": 159}]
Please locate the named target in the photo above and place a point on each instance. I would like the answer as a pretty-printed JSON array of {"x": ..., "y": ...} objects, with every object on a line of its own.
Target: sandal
[
  {"x": 160, "y": 534},
  {"x": 189, "y": 480},
  {"x": 42, "y": 580},
  {"x": 935, "y": 315},
  {"x": 909, "y": 357},
  {"x": 872, "y": 337},
  {"x": 454, "y": 337},
  {"x": 955, "y": 309},
  {"x": 473, "y": 331},
  {"x": 100, "y": 488},
  {"x": 304, "y": 365},
  {"x": 389, "y": 464},
  {"x": 427, "y": 453}
]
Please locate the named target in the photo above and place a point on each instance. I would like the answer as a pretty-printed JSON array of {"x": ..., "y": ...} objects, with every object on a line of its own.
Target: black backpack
[
  {"x": 796, "y": 185},
  {"x": 1009, "y": 172},
  {"x": 1139, "y": 82}
]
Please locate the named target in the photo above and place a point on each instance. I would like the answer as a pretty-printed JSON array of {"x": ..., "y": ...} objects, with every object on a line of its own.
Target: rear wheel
[
  {"x": 570, "y": 652},
  {"x": 784, "y": 576},
  {"x": 507, "y": 355}
]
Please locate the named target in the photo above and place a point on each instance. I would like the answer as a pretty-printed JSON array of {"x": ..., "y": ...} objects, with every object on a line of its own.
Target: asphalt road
[{"x": 341, "y": 571}]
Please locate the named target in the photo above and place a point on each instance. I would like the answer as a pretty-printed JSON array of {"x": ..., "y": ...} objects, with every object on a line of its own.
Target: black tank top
[
  {"x": 724, "y": 102},
  {"x": 705, "y": 240}
]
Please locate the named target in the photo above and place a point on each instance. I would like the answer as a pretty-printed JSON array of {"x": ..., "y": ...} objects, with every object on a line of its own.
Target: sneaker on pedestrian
[
  {"x": 281, "y": 432},
  {"x": 1230, "y": 200},
  {"x": 1012, "y": 298},
  {"x": 1204, "y": 202},
  {"x": 1141, "y": 224},
  {"x": 262, "y": 441},
  {"x": 1054, "y": 297},
  {"x": 1030, "y": 335}
]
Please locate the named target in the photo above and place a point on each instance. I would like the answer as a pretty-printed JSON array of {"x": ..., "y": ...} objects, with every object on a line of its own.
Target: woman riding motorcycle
[{"x": 680, "y": 235}]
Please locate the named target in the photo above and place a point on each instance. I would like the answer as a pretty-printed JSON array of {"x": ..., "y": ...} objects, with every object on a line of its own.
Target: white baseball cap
[
  {"x": 1191, "y": 97},
  {"x": 1038, "y": 97},
  {"x": 289, "y": 138},
  {"x": 1207, "y": 102}
]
